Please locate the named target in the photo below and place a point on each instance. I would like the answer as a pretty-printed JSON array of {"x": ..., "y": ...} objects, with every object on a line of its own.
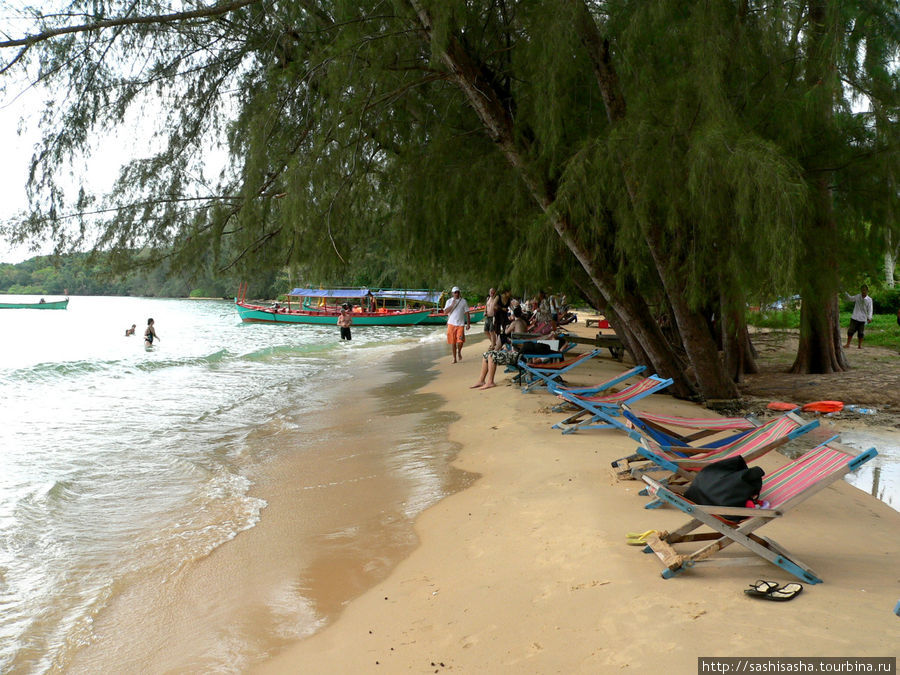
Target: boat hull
[
  {"x": 440, "y": 319},
  {"x": 57, "y": 304},
  {"x": 258, "y": 314}
]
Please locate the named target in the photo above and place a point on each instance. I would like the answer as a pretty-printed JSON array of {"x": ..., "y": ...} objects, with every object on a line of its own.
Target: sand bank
[{"x": 527, "y": 570}]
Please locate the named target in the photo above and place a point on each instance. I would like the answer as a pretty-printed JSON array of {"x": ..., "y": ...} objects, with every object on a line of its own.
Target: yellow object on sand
[{"x": 638, "y": 538}]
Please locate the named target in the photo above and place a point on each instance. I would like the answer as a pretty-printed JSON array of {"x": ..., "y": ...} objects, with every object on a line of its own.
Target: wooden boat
[
  {"x": 314, "y": 308},
  {"x": 42, "y": 304},
  {"x": 432, "y": 299},
  {"x": 438, "y": 318}
]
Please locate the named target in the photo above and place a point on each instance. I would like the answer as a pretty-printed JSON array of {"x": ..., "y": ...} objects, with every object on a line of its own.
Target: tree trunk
[
  {"x": 740, "y": 356},
  {"x": 820, "y": 349},
  {"x": 695, "y": 337},
  {"x": 890, "y": 260},
  {"x": 632, "y": 344},
  {"x": 471, "y": 77}
]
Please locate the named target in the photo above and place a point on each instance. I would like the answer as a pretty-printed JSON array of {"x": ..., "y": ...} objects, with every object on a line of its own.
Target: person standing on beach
[
  {"x": 457, "y": 310},
  {"x": 150, "y": 334},
  {"x": 344, "y": 321},
  {"x": 553, "y": 303},
  {"x": 490, "y": 307},
  {"x": 501, "y": 317},
  {"x": 862, "y": 314}
]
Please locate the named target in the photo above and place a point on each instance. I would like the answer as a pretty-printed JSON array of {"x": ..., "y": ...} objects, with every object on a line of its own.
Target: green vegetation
[
  {"x": 882, "y": 332},
  {"x": 84, "y": 274},
  {"x": 670, "y": 161}
]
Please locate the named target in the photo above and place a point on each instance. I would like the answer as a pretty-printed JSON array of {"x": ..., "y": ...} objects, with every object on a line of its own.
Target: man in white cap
[{"x": 457, "y": 311}]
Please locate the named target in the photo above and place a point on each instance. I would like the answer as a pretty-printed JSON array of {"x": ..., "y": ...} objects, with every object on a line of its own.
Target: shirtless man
[{"x": 490, "y": 308}]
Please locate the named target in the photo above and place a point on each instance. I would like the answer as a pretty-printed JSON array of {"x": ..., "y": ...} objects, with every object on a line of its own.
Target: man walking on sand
[
  {"x": 862, "y": 314},
  {"x": 457, "y": 311}
]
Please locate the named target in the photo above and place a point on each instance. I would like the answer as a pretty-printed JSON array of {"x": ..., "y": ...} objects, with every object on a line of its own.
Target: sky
[
  {"x": 20, "y": 107},
  {"x": 13, "y": 168}
]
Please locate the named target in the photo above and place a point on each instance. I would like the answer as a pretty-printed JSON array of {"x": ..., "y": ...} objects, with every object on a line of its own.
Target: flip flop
[
  {"x": 785, "y": 593},
  {"x": 761, "y": 589},
  {"x": 639, "y": 538}
]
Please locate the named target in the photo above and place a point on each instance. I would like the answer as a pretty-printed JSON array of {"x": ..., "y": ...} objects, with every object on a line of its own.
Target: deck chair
[
  {"x": 684, "y": 463},
  {"x": 534, "y": 376},
  {"x": 600, "y": 410},
  {"x": 664, "y": 428},
  {"x": 681, "y": 432},
  {"x": 598, "y": 387},
  {"x": 784, "y": 488}
]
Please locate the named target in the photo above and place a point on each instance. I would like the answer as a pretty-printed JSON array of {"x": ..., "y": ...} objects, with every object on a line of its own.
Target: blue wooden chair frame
[
  {"x": 784, "y": 488},
  {"x": 604, "y": 412},
  {"x": 534, "y": 376}
]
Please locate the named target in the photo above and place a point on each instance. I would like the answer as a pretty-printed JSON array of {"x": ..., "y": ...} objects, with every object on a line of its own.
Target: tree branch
[{"x": 205, "y": 12}]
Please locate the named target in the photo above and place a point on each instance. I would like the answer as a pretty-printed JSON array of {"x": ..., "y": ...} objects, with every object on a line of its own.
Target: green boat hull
[
  {"x": 441, "y": 319},
  {"x": 257, "y": 314},
  {"x": 57, "y": 304}
]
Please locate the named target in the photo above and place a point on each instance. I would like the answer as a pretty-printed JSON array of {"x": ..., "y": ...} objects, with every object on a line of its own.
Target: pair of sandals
[{"x": 770, "y": 590}]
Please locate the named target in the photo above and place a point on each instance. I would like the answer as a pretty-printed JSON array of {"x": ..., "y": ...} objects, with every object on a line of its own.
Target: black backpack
[
  {"x": 536, "y": 348},
  {"x": 727, "y": 483}
]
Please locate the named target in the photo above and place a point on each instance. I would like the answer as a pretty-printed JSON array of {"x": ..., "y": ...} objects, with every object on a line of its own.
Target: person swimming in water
[
  {"x": 150, "y": 334},
  {"x": 130, "y": 331}
]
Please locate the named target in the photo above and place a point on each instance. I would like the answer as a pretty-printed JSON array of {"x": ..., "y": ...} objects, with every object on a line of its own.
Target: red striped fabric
[
  {"x": 755, "y": 440},
  {"x": 627, "y": 393},
  {"x": 710, "y": 423},
  {"x": 794, "y": 478}
]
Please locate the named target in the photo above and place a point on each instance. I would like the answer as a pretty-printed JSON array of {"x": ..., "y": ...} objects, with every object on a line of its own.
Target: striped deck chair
[
  {"x": 664, "y": 430},
  {"x": 784, "y": 488},
  {"x": 600, "y": 411},
  {"x": 753, "y": 445},
  {"x": 535, "y": 376},
  {"x": 598, "y": 387},
  {"x": 592, "y": 389}
]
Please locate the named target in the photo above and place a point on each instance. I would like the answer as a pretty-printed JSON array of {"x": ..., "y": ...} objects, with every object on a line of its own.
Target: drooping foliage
[{"x": 675, "y": 159}]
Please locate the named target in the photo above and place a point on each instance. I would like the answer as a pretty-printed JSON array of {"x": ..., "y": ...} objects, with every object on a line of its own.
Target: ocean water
[
  {"x": 879, "y": 477},
  {"x": 198, "y": 506},
  {"x": 124, "y": 471}
]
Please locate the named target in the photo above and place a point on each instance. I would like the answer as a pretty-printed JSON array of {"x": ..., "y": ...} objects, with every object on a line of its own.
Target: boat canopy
[
  {"x": 384, "y": 294},
  {"x": 406, "y": 294},
  {"x": 330, "y": 292}
]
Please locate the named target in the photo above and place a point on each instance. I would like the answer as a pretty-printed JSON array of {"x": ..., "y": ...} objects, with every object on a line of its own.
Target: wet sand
[
  {"x": 527, "y": 570},
  {"x": 342, "y": 486}
]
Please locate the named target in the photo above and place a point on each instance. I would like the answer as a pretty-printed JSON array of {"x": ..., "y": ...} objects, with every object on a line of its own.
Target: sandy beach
[{"x": 527, "y": 570}]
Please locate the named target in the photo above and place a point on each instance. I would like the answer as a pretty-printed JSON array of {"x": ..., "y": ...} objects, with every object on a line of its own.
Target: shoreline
[
  {"x": 527, "y": 569},
  {"x": 343, "y": 471}
]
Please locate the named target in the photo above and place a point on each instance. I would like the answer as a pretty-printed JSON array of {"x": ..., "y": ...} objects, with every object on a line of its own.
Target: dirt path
[{"x": 873, "y": 380}]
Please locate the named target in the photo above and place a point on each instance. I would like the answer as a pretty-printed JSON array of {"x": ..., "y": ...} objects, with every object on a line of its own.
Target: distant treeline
[{"x": 83, "y": 274}]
